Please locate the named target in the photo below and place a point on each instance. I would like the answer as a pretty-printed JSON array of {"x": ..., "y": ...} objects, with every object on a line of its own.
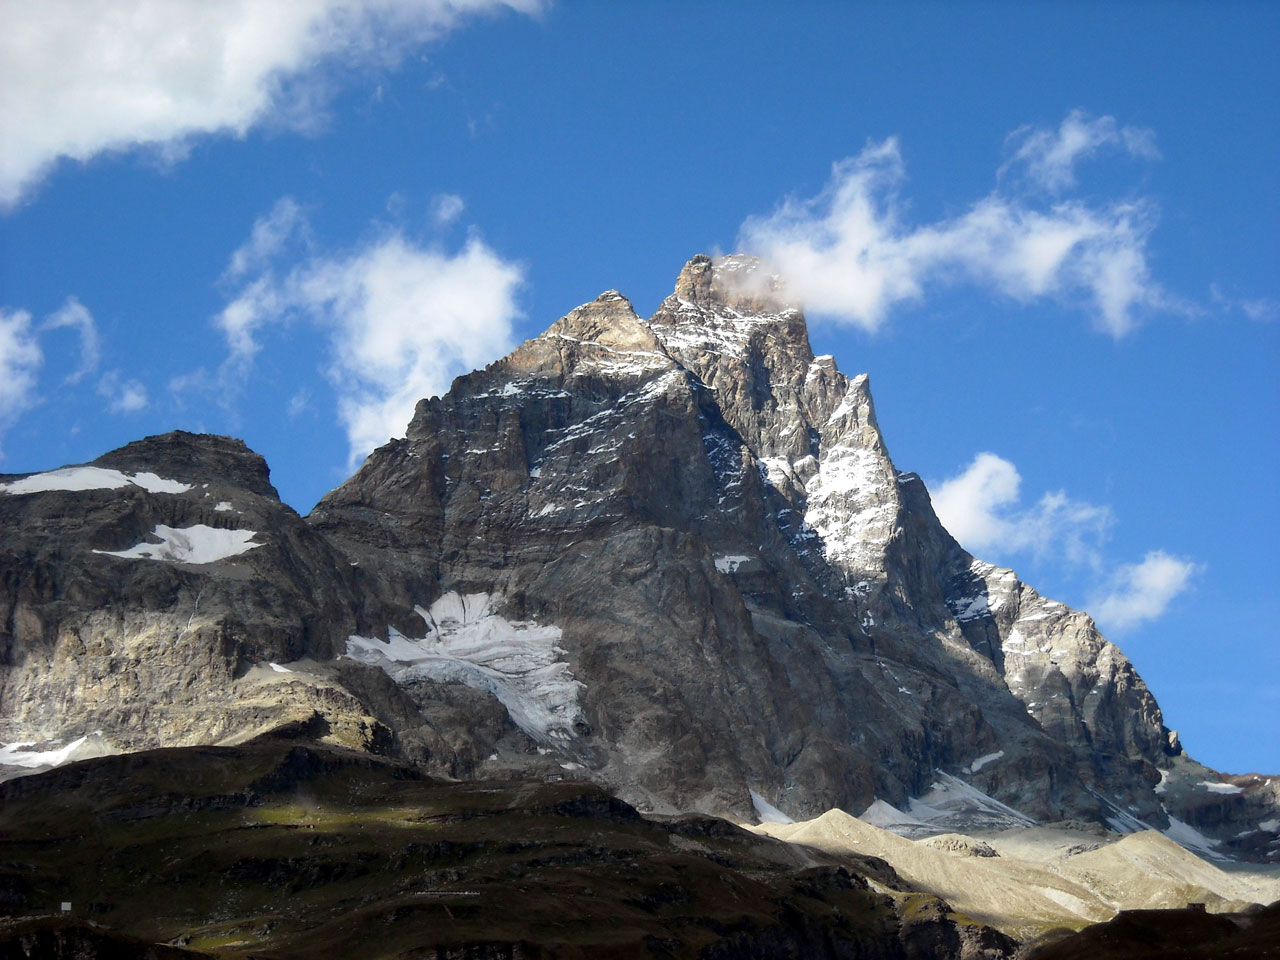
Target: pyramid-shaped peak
[
  {"x": 602, "y": 328},
  {"x": 741, "y": 283}
]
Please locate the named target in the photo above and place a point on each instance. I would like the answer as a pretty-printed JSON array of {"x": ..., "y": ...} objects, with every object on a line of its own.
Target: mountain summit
[{"x": 671, "y": 556}]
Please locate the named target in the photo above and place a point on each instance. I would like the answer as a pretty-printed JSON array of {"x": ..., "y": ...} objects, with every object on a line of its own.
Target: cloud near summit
[{"x": 852, "y": 255}]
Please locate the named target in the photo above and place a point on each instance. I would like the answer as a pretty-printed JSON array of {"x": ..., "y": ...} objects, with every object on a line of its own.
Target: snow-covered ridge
[
  {"x": 91, "y": 478},
  {"x": 194, "y": 544},
  {"x": 467, "y": 641},
  {"x": 852, "y": 504}
]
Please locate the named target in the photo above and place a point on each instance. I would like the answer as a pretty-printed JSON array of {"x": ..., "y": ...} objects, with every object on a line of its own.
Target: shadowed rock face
[{"x": 669, "y": 555}]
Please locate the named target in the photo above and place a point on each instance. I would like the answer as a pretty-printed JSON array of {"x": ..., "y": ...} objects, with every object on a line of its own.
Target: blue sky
[{"x": 1047, "y": 232}]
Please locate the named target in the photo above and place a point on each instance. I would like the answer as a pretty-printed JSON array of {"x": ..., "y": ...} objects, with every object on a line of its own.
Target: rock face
[
  {"x": 672, "y": 556},
  {"x": 143, "y": 596}
]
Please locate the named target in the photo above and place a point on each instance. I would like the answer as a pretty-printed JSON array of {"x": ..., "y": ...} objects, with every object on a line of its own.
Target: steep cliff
[{"x": 672, "y": 556}]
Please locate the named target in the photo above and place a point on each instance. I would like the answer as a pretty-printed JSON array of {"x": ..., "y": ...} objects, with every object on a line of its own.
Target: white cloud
[
  {"x": 20, "y": 360},
  {"x": 446, "y": 208},
  {"x": 75, "y": 316},
  {"x": 271, "y": 233},
  {"x": 299, "y": 404},
  {"x": 122, "y": 396},
  {"x": 1050, "y": 156},
  {"x": 850, "y": 255},
  {"x": 1257, "y": 309},
  {"x": 402, "y": 322},
  {"x": 1142, "y": 591},
  {"x": 405, "y": 322},
  {"x": 79, "y": 77},
  {"x": 981, "y": 508}
]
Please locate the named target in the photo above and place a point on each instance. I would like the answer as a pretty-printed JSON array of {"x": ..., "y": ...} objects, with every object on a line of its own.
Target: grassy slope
[{"x": 283, "y": 850}]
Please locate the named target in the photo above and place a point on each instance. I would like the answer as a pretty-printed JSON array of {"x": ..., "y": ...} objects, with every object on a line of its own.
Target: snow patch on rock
[
  {"x": 886, "y": 816},
  {"x": 82, "y": 748},
  {"x": 468, "y": 642},
  {"x": 195, "y": 544},
  {"x": 984, "y": 760},
  {"x": 1220, "y": 787},
  {"x": 950, "y": 802},
  {"x": 15, "y": 754},
  {"x": 1191, "y": 838},
  {"x": 766, "y": 811},
  {"x": 91, "y": 478}
]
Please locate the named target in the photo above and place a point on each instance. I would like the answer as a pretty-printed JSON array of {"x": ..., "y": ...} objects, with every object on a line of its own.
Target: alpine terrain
[{"x": 668, "y": 560}]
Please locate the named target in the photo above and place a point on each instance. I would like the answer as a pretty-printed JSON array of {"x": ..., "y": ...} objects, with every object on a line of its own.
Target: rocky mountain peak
[
  {"x": 194, "y": 458},
  {"x": 729, "y": 318},
  {"x": 609, "y": 320},
  {"x": 671, "y": 556},
  {"x": 734, "y": 283},
  {"x": 605, "y": 335}
]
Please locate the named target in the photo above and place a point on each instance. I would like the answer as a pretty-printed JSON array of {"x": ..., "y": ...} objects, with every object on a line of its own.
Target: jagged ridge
[{"x": 734, "y": 588}]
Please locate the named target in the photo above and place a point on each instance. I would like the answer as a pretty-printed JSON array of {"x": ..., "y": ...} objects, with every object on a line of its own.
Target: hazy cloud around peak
[{"x": 852, "y": 255}]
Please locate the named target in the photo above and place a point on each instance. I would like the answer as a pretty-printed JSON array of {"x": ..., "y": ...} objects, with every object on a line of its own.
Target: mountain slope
[
  {"x": 276, "y": 849},
  {"x": 672, "y": 556}
]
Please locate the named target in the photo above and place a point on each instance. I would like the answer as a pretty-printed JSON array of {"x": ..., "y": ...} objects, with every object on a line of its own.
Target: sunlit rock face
[
  {"x": 140, "y": 592},
  {"x": 675, "y": 558}
]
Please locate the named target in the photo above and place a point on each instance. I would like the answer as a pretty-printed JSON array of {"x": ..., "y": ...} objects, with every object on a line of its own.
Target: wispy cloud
[
  {"x": 270, "y": 234},
  {"x": 446, "y": 208},
  {"x": 99, "y": 75},
  {"x": 73, "y": 315},
  {"x": 401, "y": 320},
  {"x": 851, "y": 254},
  {"x": 299, "y": 403},
  {"x": 20, "y": 360},
  {"x": 1143, "y": 591},
  {"x": 1049, "y": 157},
  {"x": 1257, "y": 309},
  {"x": 122, "y": 396},
  {"x": 981, "y": 507}
]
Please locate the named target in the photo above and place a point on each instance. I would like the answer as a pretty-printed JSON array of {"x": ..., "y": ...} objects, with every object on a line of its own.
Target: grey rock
[{"x": 672, "y": 556}]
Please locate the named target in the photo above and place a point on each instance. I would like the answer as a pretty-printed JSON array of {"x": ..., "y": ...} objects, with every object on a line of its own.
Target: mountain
[{"x": 670, "y": 556}]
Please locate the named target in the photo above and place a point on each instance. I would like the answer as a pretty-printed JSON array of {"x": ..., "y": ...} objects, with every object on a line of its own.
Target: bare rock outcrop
[{"x": 672, "y": 556}]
